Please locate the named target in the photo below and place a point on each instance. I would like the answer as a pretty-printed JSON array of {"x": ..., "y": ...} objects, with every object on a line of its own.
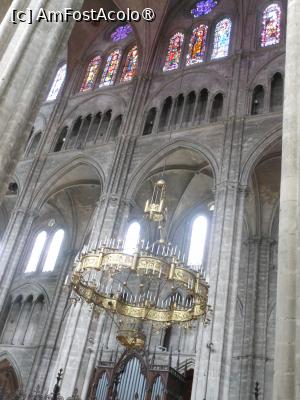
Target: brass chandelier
[{"x": 151, "y": 285}]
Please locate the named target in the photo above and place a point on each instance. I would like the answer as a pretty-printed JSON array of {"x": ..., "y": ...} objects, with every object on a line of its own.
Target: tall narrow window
[
  {"x": 174, "y": 52},
  {"x": 165, "y": 114},
  {"x": 222, "y": 39},
  {"x": 258, "y": 100},
  {"x": 132, "y": 237},
  {"x": 58, "y": 82},
  {"x": 217, "y": 108},
  {"x": 197, "y": 46},
  {"x": 277, "y": 86},
  {"x": 111, "y": 68},
  {"x": 197, "y": 244},
  {"x": 271, "y": 25},
  {"x": 54, "y": 250},
  {"x": 130, "y": 67},
  {"x": 61, "y": 140},
  {"x": 149, "y": 124},
  {"x": 91, "y": 74},
  {"x": 36, "y": 252},
  {"x": 189, "y": 107}
]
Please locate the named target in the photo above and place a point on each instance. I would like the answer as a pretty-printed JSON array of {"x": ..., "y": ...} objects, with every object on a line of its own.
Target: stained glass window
[
  {"x": 204, "y": 7},
  {"x": 121, "y": 32},
  {"x": 197, "y": 47},
  {"x": 91, "y": 74},
  {"x": 111, "y": 68},
  {"x": 130, "y": 67},
  {"x": 222, "y": 39},
  {"x": 271, "y": 19},
  {"x": 174, "y": 52},
  {"x": 58, "y": 82}
]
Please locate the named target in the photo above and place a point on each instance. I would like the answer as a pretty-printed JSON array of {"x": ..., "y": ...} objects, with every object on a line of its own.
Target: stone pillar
[
  {"x": 28, "y": 53},
  {"x": 214, "y": 347},
  {"x": 287, "y": 346}
]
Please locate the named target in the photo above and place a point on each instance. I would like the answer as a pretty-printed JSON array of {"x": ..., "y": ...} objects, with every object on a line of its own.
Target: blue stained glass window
[
  {"x": 204, "y": 7},
  {"x": 111, "y": 68},
  {"x": 121, "y": 32},
  {"x": 222, "y": 39}
]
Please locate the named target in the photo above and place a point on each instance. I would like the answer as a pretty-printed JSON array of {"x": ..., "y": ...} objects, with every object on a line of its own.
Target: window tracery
[
  {"x": 197, "y": 46},
  {"x": 91, "y": 74},
  {"x": 222, "y": 39},
  {"x": 130, "y": 67},
  {"x": 174, "y": 52},
  {"x": 121, "y": 32},
  {"x": 57, "y": 83},
  {"x": 111, "y": 68},
  {"x": 204, "y": 7},
  {"x": 271, "y": 25}
]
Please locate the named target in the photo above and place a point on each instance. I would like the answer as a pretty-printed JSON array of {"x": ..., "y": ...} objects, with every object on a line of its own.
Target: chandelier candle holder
[{"x": 152, "y": 285}]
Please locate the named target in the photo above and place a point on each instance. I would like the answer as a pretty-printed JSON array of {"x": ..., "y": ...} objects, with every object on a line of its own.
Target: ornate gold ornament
[{"x": 152, "y": 285}]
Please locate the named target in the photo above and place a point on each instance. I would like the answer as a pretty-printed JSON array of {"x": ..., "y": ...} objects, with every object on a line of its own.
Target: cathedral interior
[{"x": 103, "y": 111}]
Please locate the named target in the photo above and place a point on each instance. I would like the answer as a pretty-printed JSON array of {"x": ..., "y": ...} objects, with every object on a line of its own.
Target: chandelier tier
[
  {"x": 151, "y": 284},
  {"x": 99, "y": 280}
]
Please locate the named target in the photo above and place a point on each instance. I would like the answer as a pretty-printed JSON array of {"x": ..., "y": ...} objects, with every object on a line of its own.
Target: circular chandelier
[{"x": 151, "y": 285}]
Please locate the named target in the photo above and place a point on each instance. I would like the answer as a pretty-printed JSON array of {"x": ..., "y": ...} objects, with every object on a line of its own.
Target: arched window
[
  {"x": 58, "y": 82},
  {"x": 91, "y": 74},
  {"x": 277, "y": 85},
  {"x": 53, "y": 251},
  {"x": 75, "y": 131},
  {"x": 217, "y": 108},
  {"x": 271, "y": 25},
  {"x": 34, "y": 143},
  {"x": 111, "y": 68},
  {"x": 189, "y": 107},
  {"x": 84, "y": 131},
  {"x": 197, "y": 243},
  {"x": 104, "y": 124},
  {"x": 178, "y": 109},
  {"x": 222, "y": 39},
  {"x": 36, "y": 252},
  {"x": 148, "y": 128},
  {"x": 94, "y": 127},
  {"x": 61, "y": 140},
  {"x": 202, "y": 105},
  {"x": 116, "y": 125},
  {"x": 132, "y": 237},
  {"x": 258, "y": 98},
  {"x": 165, "y": 114},
  {"x": 197, "y": 46},
  {"x": 130, "y": 67},
  {"x": 174, "y": 52}
]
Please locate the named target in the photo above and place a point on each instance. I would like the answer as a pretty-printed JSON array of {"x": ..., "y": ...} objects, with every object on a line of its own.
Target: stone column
[
  {"x": 28, "y": 53},
  {"x": 287, "y": 346}
]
